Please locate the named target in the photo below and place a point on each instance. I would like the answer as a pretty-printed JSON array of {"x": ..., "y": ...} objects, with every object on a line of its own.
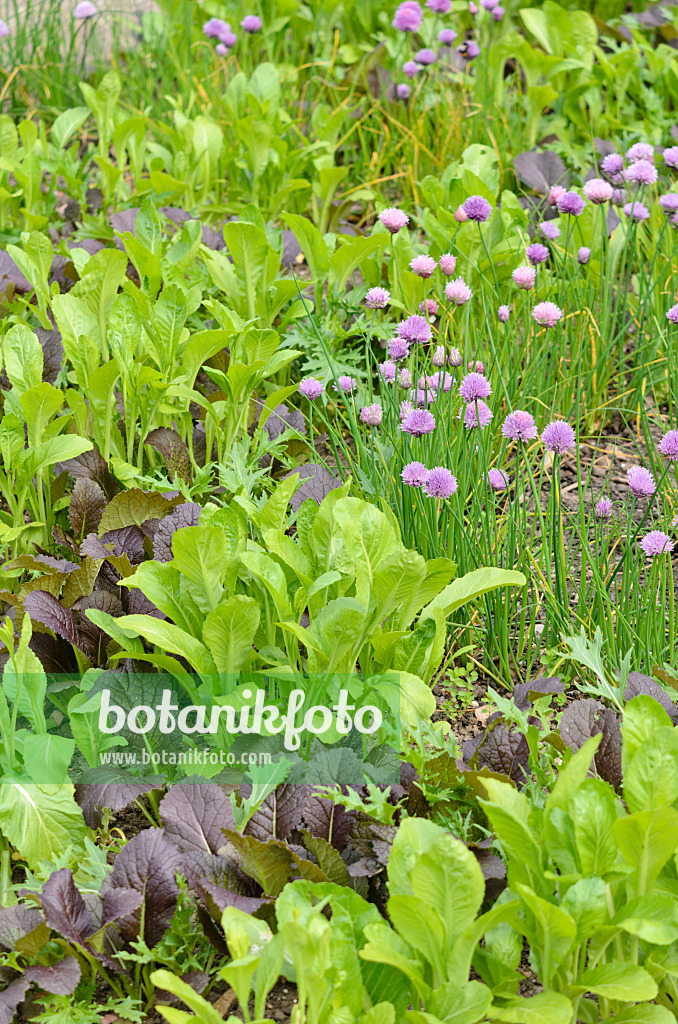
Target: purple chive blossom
[
  {"x": 477, "y": 208},
  {"x": 371, "y": 415},
  {"x": 470, "y": 50},
  {"x": 460, "y": 215},
  {"x": 656, "y": 543},
  {"x": 503, "y": 313},
  {"x": 429, "y": 306},
  {"x": 489, "y": 5},
  {"x": 387, "y": 372},
  {"x": 440, "y": 381},
  {"x": 641, "y": 482},
  {"x": 439, "y": 6},
  {"x": 598, "y": 191},
  {"x": 311, "y": 388},
  {"x": 86, "y": 9},
  {"x": 414, "y": 329},
  {"x": 669, "y": 202},
  {"x": 411, "y": 68},
  {"x": 457, "y": 291},
  {"x": 377, "y": 298},
  {"x": 524, "y": 277},
  {"x": 439, "y": 357},
  {"x": 405, "y": 409},
  {"x": 474, "y": 386},
  {"x": 227, "y": 41},
  {"x": 346, "y": 384},
  {"x": 668, "y": 445},
  {"x": 472, "y": 8},
  {"x": 4, "y": 29},
  {"x": 519, "y": 426},
  {"x": 440, "y": 483},
  {"x": 414, "y": 474},
  {"x": 637, "y": 211},
  {"x": 423, "y": 266},
  {"x": 547, "y": 314},
  {"x": 642, "y": 172},
  {"x": 672, "y": 314},
  {"x": 408, "y": 16},
  {"x": 498, "y": 13},
  {"x": 476, "y": 366},
  {"x": 603, "y": 509},
  {"x": 571, "y": 203},
  {"x": 537, "y": 253},
  {"x": 583, "y": 254},
  {"x": 448, "y": 264},
  {"x": 393, "y": 219},
  {"x": 398, "y": 348},
  {"x": 497, "y": 479},
  {"x": 221, "y": 50},
  {"x": 612, "y": 165},
  {"x": 421, "y": 397},
  {"x": 215, "y": 28},
  {"x": 549, "y": 230},
  {"x": 454, "y": 359},
  {"x": 555, "y": 193},
  {"x": 425, "y": 57},
  {"x": 558, "y": 438},
  {"x": 251, "y": 23},
  {"x": 404, "y": 378},
  {"x": 403, "y": 91},
  {"x": 447, "y": 37},
  {"x": 619, "y": 196},
  {"x": 671, "y": 156},
  {"x": 640, "y": 151},
  {"x": 476, "y": 414},
  {"x": 418, "y": 422}
]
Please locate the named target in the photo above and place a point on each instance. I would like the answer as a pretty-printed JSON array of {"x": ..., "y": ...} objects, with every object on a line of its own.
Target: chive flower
[
  {"x": 408, "y": 16},
  {"x": 371, "y": 415},
  {"x": 86, "y": 9},
  {"x": 547, "y": 314},
  {"x": 425, "y": 57},
  {"x": 537, "y": 253},
  {"x": 669, "y": 202},
  {"x": 439, "y": 483},
  {"x": 377, "y": 298},
  {"x": 429, "y": 306},
  {"x": 571, "y": 203},
  {"x": 403, "y": 91},
  {"x": 474, "y": 386},
  {"x": 524, "y": 277},
  {"x": 503, "y": 314},
  {"x": 418, "y": 422},
  {"x": 583, "y": 254},
  {"x": 642, "y": 172},
  {"x": 414, "y": 329},
  {"x": 672, "y": 314},
  {"x": 641, "y": 482},
  {"x": 387, "y": 371},
  {"x": 519, "y": 426},
  {"x": 457, "y": 291},
  {"x": 612, "y": 165},
  {"x": 598, "y": 191},
  {"x": 454, "y": 359},
  {"x": 558, "y": 437},
  {"x": 251, "y": 23},
  {"x": 311, "y": 388},
  {"x": 497, "y": 479},
  {"x": 603, "y": 509},
  {"x": 4, "y": 29},
  {"x": 448, "y": 264},
  {"x": 671, "y": 156},
  {"x": 414, "y": 474},
  {"x": 476, "y": 414},
  {"x": 447, "y": 37},
  {"x": 477, "y": 209},
  {"x": 640, "y": 151},
  {"x": 411, "y": 68},
  {"x": 636, "y": 211},
  {"x": 656, "y": 543},
  {"x": 668, "y": 445},
  {"x": 549, "y": 230},
  {"x": 393, "y": 219},
  {"x": 439, "y": 6},
  {"x": 423, "y": 266},
  {"x": 398, "y": 348},
  {"x": 346, "y": 384}
]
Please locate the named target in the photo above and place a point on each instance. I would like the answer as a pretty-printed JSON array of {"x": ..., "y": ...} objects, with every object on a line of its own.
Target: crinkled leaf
[
  {"x": 133, "y": 507},
  {"x": 86, "y": 508},
  {"x": 279, "y": 814},
  {"x": 61, "y": 978},
  {"x": 269, "y": 863},
  {"x": 638, "y": 683},
  {"x": 64, "y": 908},
  {"x": 328, "y": 858},
  {"x": 329, "y": 821},
  {"x": 43, "y": 607},
  {"x": 173, "y": 450},
  {"x": 16, "y": 991},
  {"x": 16, "y": 922},
  {"x": 585, "y": 718},
  {"x": 91, "y": 466},
  {"x": 318, "y": 482},
  {"x": 116, "y": 793},
  {"x": 148, "y": 863},
  {"x": 187, "y": 514},
  {"x": 503, "y": 750},
  {"x": 194, "y": 816}
]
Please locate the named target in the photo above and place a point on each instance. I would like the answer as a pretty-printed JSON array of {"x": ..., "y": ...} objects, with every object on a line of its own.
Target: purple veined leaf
[
  {"x": 128, "y": 540},
  {"x": 61, "y": 978},
  {"x": 504, "y": 750},
  {"x": 327, "y": 820},
  {"x": 194, "y": 816},
  {"x": 227, "y": 898},
  {"x": 203, "y": 870},
  {"x": 638, "y": 683},
  {"x": 539, "y": 170},
  {"x": 280, "y": 813},
  {"x": 281, "y": 419},
  {"x": 52, "y": 353},
  {"x": 44, "y": 608},
  {"x": 118, "y": 903},
  {"x": 271, "y": 864},
  {"x": 103, "y": 600},
  {"x": 123, "y": 221},
  {"x": 185, "y": 515},
  {"x": 55, "y": 655},
  {"x": 525, "y": 693},
  {"x": 173, "y": 450},
  {"x": 86, "y": 507},
  {"x": 17, "y": 922},
  {"x": 585, "y": 718},
  {"x": 16, "y": 991},
  {"x": 318, "y": 482},
  {"x": 148, "y": 863},
  {"x": 133, "y": 507},
  {"x": 91, "y": 466},
  {"x": 90, "y": 245},
  {"x": 116, "y": 792},
  {"x": 64, "y": 908}
]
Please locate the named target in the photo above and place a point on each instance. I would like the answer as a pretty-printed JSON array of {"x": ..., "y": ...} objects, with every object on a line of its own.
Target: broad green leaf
[
  {"x": 616, "y": 980},
  {"x": 133, "y": 508},
  {"x": 229, "y": 632},
  {"x": 651, "y": 777},
  {"x": 474, "y": 584},
  {"x": 202, "y": 554},
  {"x": 55, "y": 449},
  {"x": 47, "y": 757},
  {"x": 544, "y": 1008},
  {"x": 41, "y": 820},
  {"x": 170, "y": 638},
  {"x": 415, "y": 837},
  {"x": 22, "y": 354},
  {"x": 647, "y": 839},
  {"x": 642, "y": 1014},
  {"x": 168, "y": 982}
]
